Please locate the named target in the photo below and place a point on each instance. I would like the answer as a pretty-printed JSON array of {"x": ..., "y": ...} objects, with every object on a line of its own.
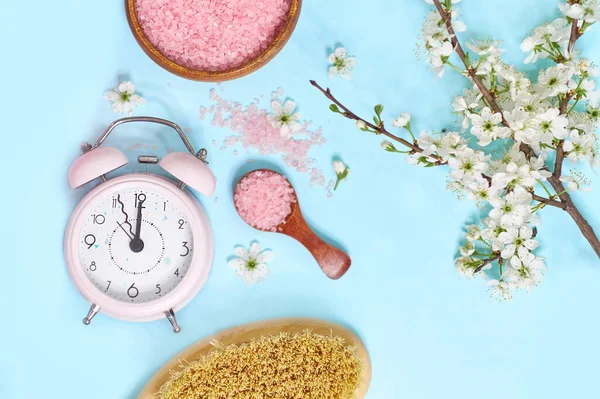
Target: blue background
[{"x": 430, "y": 332}]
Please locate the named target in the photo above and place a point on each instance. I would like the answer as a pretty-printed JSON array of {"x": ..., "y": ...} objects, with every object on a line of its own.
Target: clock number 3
[
  {"x": 132, "y": 291},
  {"x": 185, "y": 248}
]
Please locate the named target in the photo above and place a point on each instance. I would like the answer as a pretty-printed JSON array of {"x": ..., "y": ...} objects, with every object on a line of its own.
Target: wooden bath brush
[{"x": 274, "y": 358}]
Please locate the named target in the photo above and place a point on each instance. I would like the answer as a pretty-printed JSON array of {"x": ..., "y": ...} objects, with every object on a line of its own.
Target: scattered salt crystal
[
  {"x": 187, "y": 130},
  {"x": 330, "y": 185},
  {"x": 214, "y": 142},
  {"x": 263, "y": 198},
  {"x": 253, "y": 131},
  {"x": 223, "y": 148},
  {"x": 212, "y": 35},
  {"x": 235, "y": 152}
]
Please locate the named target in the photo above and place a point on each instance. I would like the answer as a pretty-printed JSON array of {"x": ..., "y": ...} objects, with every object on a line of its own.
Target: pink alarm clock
[{"x": 139, "y": 246}]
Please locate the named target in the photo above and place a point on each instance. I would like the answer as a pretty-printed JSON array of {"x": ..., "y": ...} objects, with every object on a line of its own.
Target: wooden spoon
[
  {"x": 241, "y": 334},
  {"x": 334, "y": 262}
]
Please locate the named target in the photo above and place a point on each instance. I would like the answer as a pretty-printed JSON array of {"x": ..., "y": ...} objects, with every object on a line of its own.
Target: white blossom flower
[
  {"x": 591, "y": 12},
  {"x": 465, "y": 105},
  {"x": 554, "y": 80},
  {"x": 492, "y": 232},
  {"x": 123, "y": 98},
  {"x": 501, "y": 289},
  {"x": 574, "y": 11},
  {"x": 402, "y": 121},
  {"x": 342, "y": 64},
  {"x": 575, "y": 184},
  {"x": 580, "y": 146},
  {"x": 473, "y": 232},
  {"x": 284, "y": 118},
  {"x": 514, "y": 176},
  {"x": 517, "y": 244},
  {"x": 513, "y": 210},
  {"x": 526, "y": 272},
  {"x": 485, "y": 126},
  {"x": 468, "y": 165},
  {"x": 251, "y": 266},
  {"x": 551, "y": 123},
  {"x": 481, "y": 191}
]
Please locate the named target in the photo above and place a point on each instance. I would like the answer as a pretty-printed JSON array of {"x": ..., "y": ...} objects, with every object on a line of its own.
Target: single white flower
[
  {"x": 526, "y": 272},
  {"x": 123, "y": 98},
  {"x": 551, "y": 123},
  {"x": 485, "y": 126},
  {"x": 402, "y": 121},
  {"x": 342, "y": 64},
  {"x": 591, "y": 12},
  {"x": 251, "y": 266},
  {"x": 580, "y": 146},
  {"x": 501, "y": 289},
  {"x": 492, "y": 233},
  {"x": 468, "y": 165},
  {"x": 514, "y": 176},
  {"x": 473, "y": 232},
  {"x": 512, "y": 210},
  {"x": 575, "y": 184},
  {"x": 341, "y": 171},
  {"x": 554, "y": 80},
  {"x": 517, "y": 244},
  {"x": 574, "y": 11},
  {"x": 284, "y": 118}
]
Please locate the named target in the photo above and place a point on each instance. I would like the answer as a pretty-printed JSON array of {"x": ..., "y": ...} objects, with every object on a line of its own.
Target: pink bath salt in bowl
[
  {"x": 264, "y": 199},
  {"x": 212, "y": 35}
]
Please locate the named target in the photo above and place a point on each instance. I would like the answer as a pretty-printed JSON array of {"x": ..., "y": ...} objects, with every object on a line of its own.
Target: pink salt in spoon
[{"x": 266, "y": 200}]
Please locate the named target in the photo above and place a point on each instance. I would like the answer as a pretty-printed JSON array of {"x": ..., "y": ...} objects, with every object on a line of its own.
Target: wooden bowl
[
  {"x": 211, "y": 76},
  {"x": 244, "y": 333}
]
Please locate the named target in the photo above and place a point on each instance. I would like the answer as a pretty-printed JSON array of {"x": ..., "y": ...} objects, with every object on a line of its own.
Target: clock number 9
[
  {"x": 89, "y": 240},
  {"x": 132, "y": 291}
]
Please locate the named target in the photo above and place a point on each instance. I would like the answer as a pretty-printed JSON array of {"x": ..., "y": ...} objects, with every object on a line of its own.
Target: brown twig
[
  {"x": 486, "y": 262},
  {"x": 489, "y": 97},
  {"x": 549, "y": 201},
  {"x": 379, "y": 129}
]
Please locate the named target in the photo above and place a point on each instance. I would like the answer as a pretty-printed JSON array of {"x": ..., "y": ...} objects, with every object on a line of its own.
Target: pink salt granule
[
  {"x": 212, "y": 35},
  {"x": 252, "y": 130},
  {"x": 263, "y": 199}
]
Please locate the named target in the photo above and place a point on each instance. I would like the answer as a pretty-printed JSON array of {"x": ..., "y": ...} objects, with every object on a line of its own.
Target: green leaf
[
  {"x": 379, "y": 110},
  {"x": 376, "y": 120},
  {"x": 334, "y": 108},
  {"x": 468, "y": 60}
]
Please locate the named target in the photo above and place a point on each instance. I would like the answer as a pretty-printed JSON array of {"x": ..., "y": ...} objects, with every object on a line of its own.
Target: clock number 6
[
  {"x": 132, "y": 291},
  {"x": 187, "y": 250},
  {"x": 89, "y": 240}
]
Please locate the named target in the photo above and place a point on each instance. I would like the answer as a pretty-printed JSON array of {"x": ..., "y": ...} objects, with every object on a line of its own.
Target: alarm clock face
[{"x": 135, "y": 244}]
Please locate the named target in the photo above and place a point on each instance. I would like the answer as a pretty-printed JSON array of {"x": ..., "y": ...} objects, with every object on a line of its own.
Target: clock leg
[
  {"x": 94, "y": 309},
  {"x": 171, "y": 317}
]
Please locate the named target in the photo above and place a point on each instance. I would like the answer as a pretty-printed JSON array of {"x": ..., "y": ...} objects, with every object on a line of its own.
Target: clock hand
[
  {"x": 136, "y": 244},
  {"x": 126, "y": 216},
  {"x": 126, "y": 232}
]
